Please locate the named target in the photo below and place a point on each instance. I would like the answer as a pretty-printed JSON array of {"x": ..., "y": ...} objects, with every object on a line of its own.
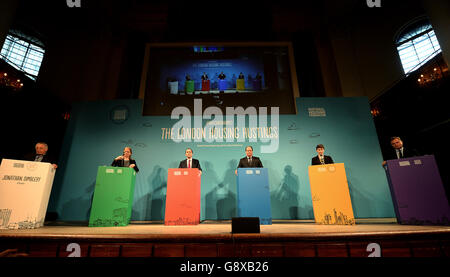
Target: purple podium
[
  {"x": 257, "y": 84},
  {"x": 417, "y": 191}
]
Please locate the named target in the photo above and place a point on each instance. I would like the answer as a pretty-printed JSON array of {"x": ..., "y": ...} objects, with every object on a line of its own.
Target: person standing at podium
[
  {"x": 40, "y": 155},
  {"x": 125, "y": 160},
  {"x": 398, "y": 151},
  {"x": 321, "y": 159},
  {"x": 249, "y": 160},
  {"x": 205, "y": 77},
  {"x": 189, "y": 162},
  {"x": 222, "y": 76}
]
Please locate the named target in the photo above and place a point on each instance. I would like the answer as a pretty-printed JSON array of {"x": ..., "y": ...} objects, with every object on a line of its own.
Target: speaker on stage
[{"x": 245, "y": 225}]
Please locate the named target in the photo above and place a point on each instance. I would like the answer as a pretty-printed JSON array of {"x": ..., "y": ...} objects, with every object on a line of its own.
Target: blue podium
[
  {"x": 253, "y": 194},
  {"x": 222, "y": 85}
]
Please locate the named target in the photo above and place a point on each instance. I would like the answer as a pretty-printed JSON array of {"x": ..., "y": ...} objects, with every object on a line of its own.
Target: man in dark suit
[
  {"x": 399, "y": 152},
  {"x": 189, "y": 162},
  {"x": 40, "y": 155},
  {"x": 249, "y": 160},
  {"x": 321, "y": 159},
  {"x": 205, "y": 76}
]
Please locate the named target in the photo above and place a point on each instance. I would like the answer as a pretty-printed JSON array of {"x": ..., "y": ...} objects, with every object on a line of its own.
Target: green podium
[
  {"x": 189, "y": 86},
  {"x": 113, "y": 197}
]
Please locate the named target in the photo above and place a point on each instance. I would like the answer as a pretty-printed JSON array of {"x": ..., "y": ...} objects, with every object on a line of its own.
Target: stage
[{"x": 284, "y": 238}]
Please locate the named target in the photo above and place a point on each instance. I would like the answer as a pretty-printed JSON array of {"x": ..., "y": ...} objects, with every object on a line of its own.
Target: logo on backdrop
[
  {"x": 222, "y": 128},
  {"x": 119, "y": 114}
]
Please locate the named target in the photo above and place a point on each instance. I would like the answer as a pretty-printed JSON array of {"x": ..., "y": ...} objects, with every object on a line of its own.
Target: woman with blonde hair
[{"x": 125, "y": 160}]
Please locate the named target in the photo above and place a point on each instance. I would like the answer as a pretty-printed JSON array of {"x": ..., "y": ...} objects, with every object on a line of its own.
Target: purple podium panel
[
  {"x": 417, "y": 191},
  {"x": 257, "y": 85}
]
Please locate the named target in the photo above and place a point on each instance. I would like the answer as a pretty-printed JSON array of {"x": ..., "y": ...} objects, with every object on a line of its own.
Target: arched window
[
  {"x": 416, "y": 44},
  {"x": 23, "y": 52}
]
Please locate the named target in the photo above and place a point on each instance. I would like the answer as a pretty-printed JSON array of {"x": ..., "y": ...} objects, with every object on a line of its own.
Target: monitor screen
[{"x": 221, "y": 74}]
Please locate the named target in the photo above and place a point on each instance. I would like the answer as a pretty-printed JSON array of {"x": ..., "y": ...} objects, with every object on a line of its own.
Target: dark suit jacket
[
  {"x": 119, "y": 163},
  {"x": 256, "y": 162},
  {"x": 316, "y": 161},
  {"x": 195, "y": 164},
  {"x": 407, "y": 153},
  {"x": 45, "y": 159}
]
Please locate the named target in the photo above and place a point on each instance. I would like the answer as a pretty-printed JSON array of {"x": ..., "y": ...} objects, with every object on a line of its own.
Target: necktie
[
  {"x": 400, "y": 154},
  {"x": 249, "y": 161},
  {"x": 189, "y": 163}
]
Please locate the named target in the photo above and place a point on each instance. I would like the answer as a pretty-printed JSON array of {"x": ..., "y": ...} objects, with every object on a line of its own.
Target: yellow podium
[
  {"x": 240, "y": 84},
  {"x": 330, "y": 195}
]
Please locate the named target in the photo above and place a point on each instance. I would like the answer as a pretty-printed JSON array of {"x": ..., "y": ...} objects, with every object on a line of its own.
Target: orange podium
[
  {"x": 183, "y": 197},
  {"x": 330, "y": 195}
]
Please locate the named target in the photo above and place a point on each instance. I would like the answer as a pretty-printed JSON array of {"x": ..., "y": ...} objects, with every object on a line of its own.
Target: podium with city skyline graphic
[
  {"x": 25, "y": 188},
  {"x": 113, "y": 197},
  {"x": 330, "y": 195},
  {"x": 183, "y": 197}
]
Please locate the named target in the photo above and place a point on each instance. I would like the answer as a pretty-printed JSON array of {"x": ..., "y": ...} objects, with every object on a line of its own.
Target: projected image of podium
[
  {"x": 253, "y": 194},
  {"x": 417, "y": 191},
  {"x": 330, "y": 194},
  {"x": 183, "y": 197},
  {"x": 173, "y": 87},
  {"x": 206, "y": 85},
  {"x": 257, "y": 84},
  {"x": 189, "y": 87},
  {"x": 222, "y": 85},
  {"x": 24, "y": 193},
  {"x": 113, "y": 197},
  {"x": 240, "y": 84}
]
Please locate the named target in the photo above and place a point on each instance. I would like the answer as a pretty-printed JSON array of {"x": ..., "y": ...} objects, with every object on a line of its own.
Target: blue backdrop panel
[
  {"x": 98, "y": 131},
  {"x": 253, "y": 194}
]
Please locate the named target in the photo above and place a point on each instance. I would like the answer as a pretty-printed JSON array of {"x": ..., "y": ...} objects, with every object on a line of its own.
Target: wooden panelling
[
  {"x": 105, "y": 250},
  {"x": 399, "y": 247},
  {"x": 300, "y": 250},
  {"x": 137, "y": 250},
  {"x": 267, "y": 250},
  {"x": 395, "y": 249},
  {"x": 332, "y": 250},
  {"x": 359, "y": 249},
  {"x": 201, "y": 250},
  {"x": 168, "y": 250},
  {"x": 426, "y": 249},
  {"x": 43, "y": 250}
]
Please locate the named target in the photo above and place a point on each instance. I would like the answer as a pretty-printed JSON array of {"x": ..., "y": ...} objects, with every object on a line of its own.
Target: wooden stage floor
[{"x": 210, "y": 239}]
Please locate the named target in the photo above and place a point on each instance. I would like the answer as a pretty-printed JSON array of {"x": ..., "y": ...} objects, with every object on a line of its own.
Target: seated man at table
[
  {"x": 40, "y": 155},
  {"x": 189, "y": 162},
  {"x": 249, "y": 160}
]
